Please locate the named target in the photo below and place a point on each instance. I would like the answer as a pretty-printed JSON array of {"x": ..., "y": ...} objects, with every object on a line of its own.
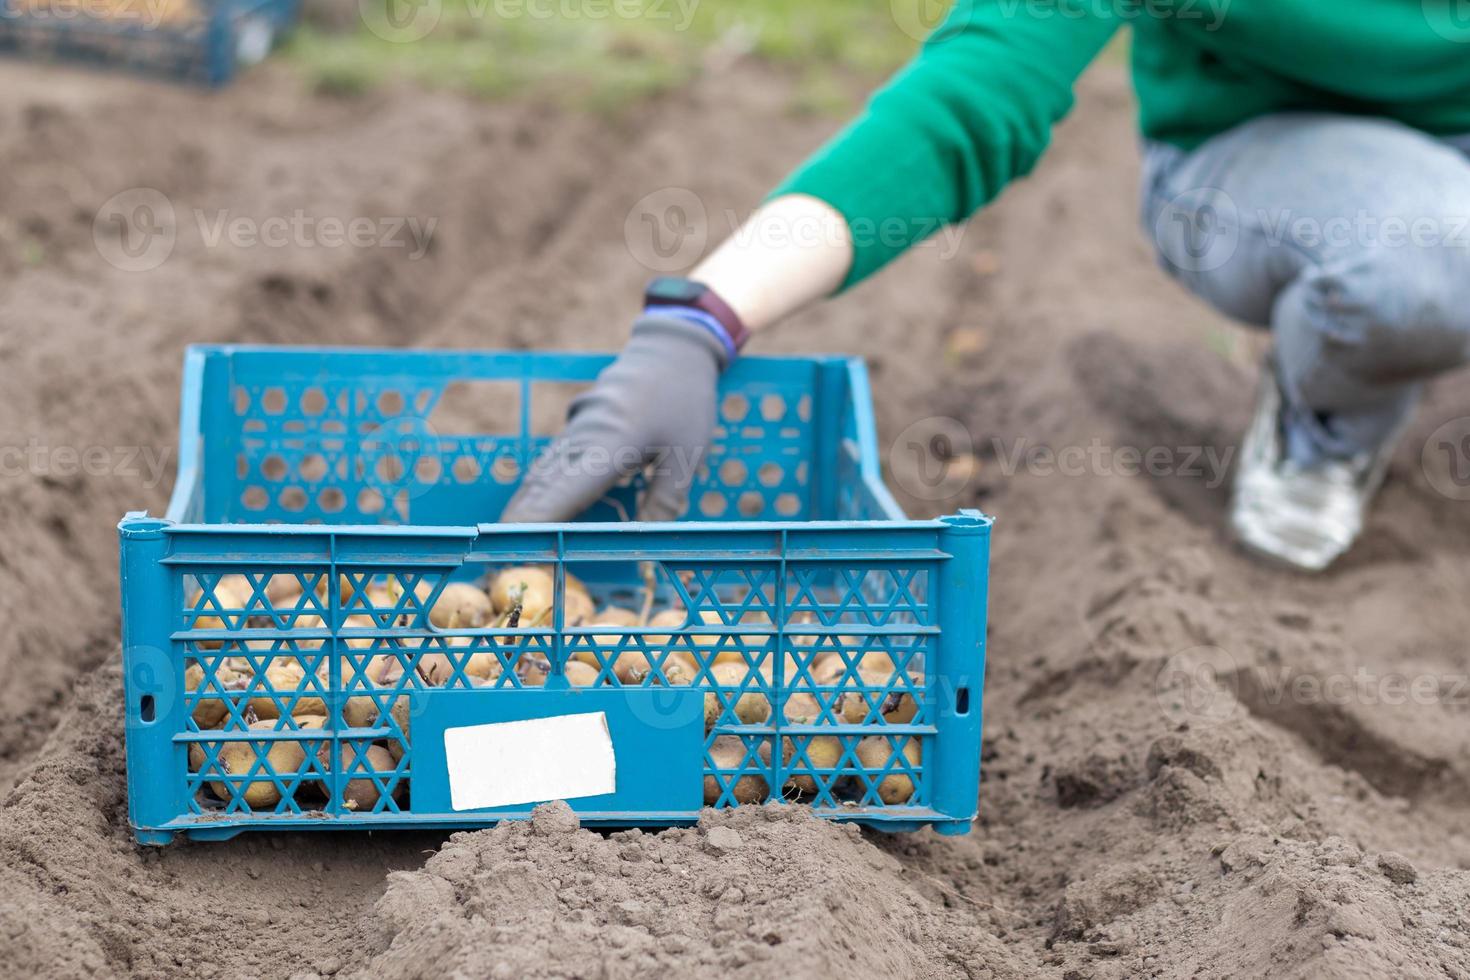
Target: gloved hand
[{"x": 653, "y": 406}]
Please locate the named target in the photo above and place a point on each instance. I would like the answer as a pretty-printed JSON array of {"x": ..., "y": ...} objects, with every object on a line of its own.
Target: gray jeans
[{"x": 1349, "y": 237}]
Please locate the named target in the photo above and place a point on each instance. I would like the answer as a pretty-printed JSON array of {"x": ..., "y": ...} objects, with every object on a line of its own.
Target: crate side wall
[{"x": 774, "y": 600}]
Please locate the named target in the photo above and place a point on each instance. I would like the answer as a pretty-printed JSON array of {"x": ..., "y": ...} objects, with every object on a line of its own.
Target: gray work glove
[{"x": 652, "y": 407}]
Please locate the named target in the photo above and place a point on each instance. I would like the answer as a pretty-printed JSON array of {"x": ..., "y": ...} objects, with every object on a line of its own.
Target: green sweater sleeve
[{"x": 970, "y": 113}]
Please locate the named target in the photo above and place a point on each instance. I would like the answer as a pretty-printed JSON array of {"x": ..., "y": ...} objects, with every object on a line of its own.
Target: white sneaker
[{"x": 1304, "y": 515}]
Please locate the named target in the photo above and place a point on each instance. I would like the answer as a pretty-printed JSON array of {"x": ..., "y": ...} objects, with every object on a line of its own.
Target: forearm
[{"x": 793, "y": 251}]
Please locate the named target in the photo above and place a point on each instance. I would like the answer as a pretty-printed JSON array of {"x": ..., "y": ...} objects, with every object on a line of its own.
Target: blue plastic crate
[
  {"x": 828, "y": 649},
  {"x": 205, "y": 50}
]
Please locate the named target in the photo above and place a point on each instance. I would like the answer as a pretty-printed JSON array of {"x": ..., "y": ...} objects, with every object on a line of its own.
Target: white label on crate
[{"x": 514, "y": 762}]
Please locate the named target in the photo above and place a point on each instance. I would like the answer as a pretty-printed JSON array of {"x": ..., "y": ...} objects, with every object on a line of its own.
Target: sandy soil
[{"x": 1136, "y": 818}]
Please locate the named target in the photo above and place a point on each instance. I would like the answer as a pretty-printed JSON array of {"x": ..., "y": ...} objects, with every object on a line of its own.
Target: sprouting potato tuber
[
  {"x": 822, "y": 752},
  {"x": 360, "y": 712},
  {"x": 875, "y": 751},
  {"x": 211, "y": 712},
  {"x": 484, "y": 667},
  {"x": 533, "y": 669},
  {"x": 895, "y": 707},
  {"x": 361, "y": 794},
  {"x": 728, "y": 752},
  {"x": 801, "y": 709},
  {"x": 240, "y": 759},
  {"x": 286, "y": 677},
  {"x": 635, "y": 666},
  {"x": 399, "y": 712},
  {"x": 750, "y": 708},
  {"x": 533, "y": 587},
  {"x": 461, "y": 606}
]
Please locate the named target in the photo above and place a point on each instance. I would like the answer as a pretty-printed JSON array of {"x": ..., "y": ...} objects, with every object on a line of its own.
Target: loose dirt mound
[
  {"x": 1195, "y": 766},
  {"x": 767, "y": 892}
]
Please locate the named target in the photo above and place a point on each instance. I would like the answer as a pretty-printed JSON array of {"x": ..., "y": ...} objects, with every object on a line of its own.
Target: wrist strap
[
  {"x": 700, "y": 319},
  {"x": 675, "y": 292}
]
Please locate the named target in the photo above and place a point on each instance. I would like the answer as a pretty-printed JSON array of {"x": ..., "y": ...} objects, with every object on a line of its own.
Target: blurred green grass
[{"x": 606, "y": 54}]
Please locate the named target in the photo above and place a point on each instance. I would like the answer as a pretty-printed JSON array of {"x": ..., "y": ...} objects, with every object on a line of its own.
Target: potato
[
  {"x": 896, "y": 708},
  {"x": 401, "y": 717},
  {"x": 283, "y": 589},
  {"x": 533, "y": 669},
  {"x": 634, "y": 666},
  {"x": 460, "y": 606},
  {"x": 578, "y": 609},
  {"x": 240, "y": 759},
  {"x": 484, "y": 667},
  {"x": 361, "y": 794},
  {"x": 581, "y": 675},
  {"x": 822, "y": 752},
  {"x": 728, "y": 752},
  {"x": 533, "y": 587},
  {"x": 286, "y": 676},
  {"x": 750, "y": 708},
  {"x": 360, "y": 712},
  {"x": 874, "y": 752},
  {"x": 225, "y": 596},
  {"x": 801, "y": 709},
  {"x": 667, "y": 618},
  {"x": 211, "y": 712},
  {"x": 617, "y": 616}
]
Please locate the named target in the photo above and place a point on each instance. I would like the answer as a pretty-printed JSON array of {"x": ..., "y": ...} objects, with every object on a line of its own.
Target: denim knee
[{"x": 1386, "y": 314}]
